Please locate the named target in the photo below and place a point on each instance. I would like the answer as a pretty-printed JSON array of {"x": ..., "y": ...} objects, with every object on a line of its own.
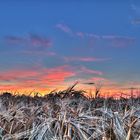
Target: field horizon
[{"x": 68, "y": 115}]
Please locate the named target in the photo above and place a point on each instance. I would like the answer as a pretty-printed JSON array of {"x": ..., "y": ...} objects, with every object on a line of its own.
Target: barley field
[{"x": 68, "y": 115}]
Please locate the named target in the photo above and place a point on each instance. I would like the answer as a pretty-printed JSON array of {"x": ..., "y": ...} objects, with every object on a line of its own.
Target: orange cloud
[
  {"x": 46, "y": 79},
  {"x": 38, "y": 79}
]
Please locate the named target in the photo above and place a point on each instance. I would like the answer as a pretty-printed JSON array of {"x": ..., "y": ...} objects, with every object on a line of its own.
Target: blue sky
[{"x": 53, "y": 44}]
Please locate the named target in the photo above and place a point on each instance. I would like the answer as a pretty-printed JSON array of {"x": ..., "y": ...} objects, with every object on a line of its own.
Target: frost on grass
[{"x": 68, "y": 115}]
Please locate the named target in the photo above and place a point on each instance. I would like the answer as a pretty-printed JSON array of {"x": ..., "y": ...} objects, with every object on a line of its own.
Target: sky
[{"x": 47, "y": 45}]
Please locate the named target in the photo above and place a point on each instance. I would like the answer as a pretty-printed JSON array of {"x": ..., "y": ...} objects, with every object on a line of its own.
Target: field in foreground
[{"x": 68, "y": 115}]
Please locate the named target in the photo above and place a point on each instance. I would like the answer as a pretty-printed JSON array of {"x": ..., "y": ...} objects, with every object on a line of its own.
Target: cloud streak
[
  {"x": 90, "y": 71},
  {"x": 64, "y": 28},
  {"x": 14, "y": 40},
  {"x": 43, "y": 77},
  {"x": 136, "y": 21},
  {"x": 119, "y": 41},
  {"x": 136, "y": 17},
  {"x": 38, "y": 78},
  {"x": 113, "y": 40},
  {"x": 32, "y": 40},
  {"x": 85, "y": 59},
  {"x": 37, "y": 40}
]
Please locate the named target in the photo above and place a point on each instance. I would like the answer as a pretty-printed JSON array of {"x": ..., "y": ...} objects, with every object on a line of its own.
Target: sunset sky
[{"x": 49, "y": 44}]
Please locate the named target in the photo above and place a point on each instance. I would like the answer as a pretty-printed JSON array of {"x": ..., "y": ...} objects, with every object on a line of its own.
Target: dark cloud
[{"x": 32, "y": 40}]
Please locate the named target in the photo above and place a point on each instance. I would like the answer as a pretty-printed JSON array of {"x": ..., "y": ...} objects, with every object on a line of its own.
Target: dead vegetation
[{"x": 68, "y": 115}]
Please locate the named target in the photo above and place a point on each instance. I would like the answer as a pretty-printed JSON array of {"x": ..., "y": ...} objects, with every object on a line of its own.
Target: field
[{"x": 68, "y": 115}]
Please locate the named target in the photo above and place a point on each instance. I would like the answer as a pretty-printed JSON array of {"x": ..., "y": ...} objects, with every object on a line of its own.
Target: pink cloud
[
  {"x": 85, "y": 59},
  {"x": 105, "y": 82},
  {"x": 80, "y": 34},
  {"x": 57, "y": 77},
  {"x": 12, "y": 75},
  {"x": 119, "y": 41},
  {"x": 64, "y": 28},
  {"x": 132, "y": 84},
  {"x": 14, "y": 39},
  {"x": 31, "y": 40},
  {"x": 98, "y": 79},
  {"x": 36, "y": 40},
  {"x": 113, "y": 40},
  {"x": 35, "y": 78},
  {"x": 90, "y": 71},
  {"x": 8, "y": 87}
]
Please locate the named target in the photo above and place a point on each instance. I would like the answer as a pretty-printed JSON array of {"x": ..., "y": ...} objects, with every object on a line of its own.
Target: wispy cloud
[
  {"x": 104, "y": 81},
  {"x": 12, "y": 75},
  {"x": 119, "y": 41},
  {"x": 83, "y": 69},
  {"x": 98, "y": 79},
  {"x": 135, "y": 8},
  {"x": 14, "y": 40},
  {"x": 135, "y": 21},
  {"x": 32, "y": 45},
  {"x": 113, "y": 40},
  {"x": 85, "y": 59},
  {"x": 37, "y": 40},
  {"x": 31, "y": 40},
  {"x": 91, "y": 35},
  {"x": 80, "y": 34},
  {"x": 136, "y": 15},
  {"x": 41, "y": 53},
  {"x": 64, "y": 28}
]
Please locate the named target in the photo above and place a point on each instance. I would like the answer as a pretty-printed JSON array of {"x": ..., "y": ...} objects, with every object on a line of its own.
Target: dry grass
[{"x": 68, "y": 115}]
